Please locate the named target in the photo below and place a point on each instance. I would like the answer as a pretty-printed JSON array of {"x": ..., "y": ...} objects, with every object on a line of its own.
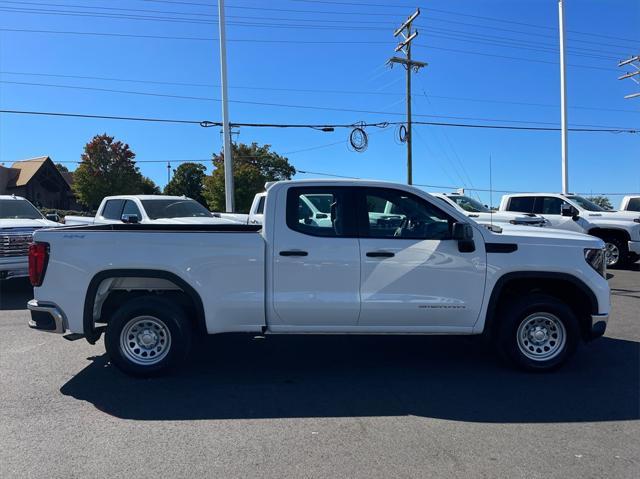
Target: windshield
[
  {"x": 157, "y": 209},
  {"x": 469, "y": 204},
  {"x": 586, "y": 204},
  {"x": 18, "y": 209}
]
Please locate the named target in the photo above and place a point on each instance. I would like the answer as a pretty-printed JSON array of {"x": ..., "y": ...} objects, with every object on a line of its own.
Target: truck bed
[{"x": 224, "y": 264}]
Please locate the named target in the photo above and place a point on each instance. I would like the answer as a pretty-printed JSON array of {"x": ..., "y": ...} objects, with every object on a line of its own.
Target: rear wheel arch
[
  {"x": 564, "y": 287},
  {"x": 190, "y": 300}
]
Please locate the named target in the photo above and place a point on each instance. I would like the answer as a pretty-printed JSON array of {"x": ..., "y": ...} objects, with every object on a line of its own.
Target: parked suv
[{"x": 620, "y": 230}]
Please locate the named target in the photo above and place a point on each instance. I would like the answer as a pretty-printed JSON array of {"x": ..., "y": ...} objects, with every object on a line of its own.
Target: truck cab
[
  {"x": 484, "y": 215},
  {"x": 630, "y": 203},
  {"x": 620, "y": 230}
]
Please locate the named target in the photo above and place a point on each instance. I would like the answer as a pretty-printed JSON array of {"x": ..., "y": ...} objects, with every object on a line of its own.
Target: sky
[{"x": 490, "y": 62}]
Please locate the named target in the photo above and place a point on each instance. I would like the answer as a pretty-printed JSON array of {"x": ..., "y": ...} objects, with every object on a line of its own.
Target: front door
[
  {"x": 412, "y": 272},
  {"x": 551, "y": 208},
  {"x": 316, "y": 260}
]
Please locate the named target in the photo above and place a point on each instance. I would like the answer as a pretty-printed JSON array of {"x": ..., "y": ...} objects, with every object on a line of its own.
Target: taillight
[{"x": 38, "y": 259}]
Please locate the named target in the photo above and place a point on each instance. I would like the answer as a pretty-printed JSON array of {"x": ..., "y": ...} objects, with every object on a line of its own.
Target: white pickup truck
[
  {"x": 424, "y": 269},
  {"x": 482, "y": 214},
  {"x": 149, "y": 209},
  {"x": 620, "y": 230},
  {"x": 18, "y": 220},
  {"x": 630, "y": 203}
]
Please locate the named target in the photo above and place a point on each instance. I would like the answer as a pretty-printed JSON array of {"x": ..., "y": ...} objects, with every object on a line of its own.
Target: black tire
[
  {"x": 521, "y": 315},
  {"x": 622, "y": 248},
  {"x": 158, "y": 336}
]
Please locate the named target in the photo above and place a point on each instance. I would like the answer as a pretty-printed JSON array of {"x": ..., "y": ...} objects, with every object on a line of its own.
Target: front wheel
[
  {"x": 616, "y": 252},
  {"x": 147, "y": 336},
  {"x": 537, "y": 332}
]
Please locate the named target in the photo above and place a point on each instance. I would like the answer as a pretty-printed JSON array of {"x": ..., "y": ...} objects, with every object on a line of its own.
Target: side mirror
[
  {"x": 130, "y": 219},
  {"x": 568, "y": 210},
  {"x": 462, "y": 231},
  {"x": 53, "y": 217}
]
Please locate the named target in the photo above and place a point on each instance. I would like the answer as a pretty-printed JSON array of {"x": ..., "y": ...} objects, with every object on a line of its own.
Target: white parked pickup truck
[
  {"x": 424, "y": 269},
  {"x": 630, "y": 203},
  {"x": 149, "y": 209},
  {"x": 482, "y": 214},
  {"x": 620, "y": 230},
  {"x": 18, "y": 220}
]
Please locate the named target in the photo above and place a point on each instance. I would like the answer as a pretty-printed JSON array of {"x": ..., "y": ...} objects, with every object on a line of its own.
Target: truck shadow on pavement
[
  {"x": 453, "y": 378},
  {"x": 15, "y": 293}
]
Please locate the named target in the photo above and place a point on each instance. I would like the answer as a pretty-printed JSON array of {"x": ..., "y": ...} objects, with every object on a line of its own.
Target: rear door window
[
  {"x": 523, "y": 204},
  {"x": 320, "y": 211}
]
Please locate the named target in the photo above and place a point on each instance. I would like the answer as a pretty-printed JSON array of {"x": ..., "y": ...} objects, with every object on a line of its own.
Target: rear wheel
[
  {"x": 147, "y": 336},
  {"x": 537, "y": 332}
]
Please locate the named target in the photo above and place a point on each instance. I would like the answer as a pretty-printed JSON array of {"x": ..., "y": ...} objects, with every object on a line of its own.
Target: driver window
[
  {"x": 130, "y": 208},
  {"x": 397, "y": 214},
  {"x": 548, "y": 205}
]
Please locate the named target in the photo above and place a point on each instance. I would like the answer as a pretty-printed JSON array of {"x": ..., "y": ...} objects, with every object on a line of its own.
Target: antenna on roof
[{"x": 490, "y": 193}]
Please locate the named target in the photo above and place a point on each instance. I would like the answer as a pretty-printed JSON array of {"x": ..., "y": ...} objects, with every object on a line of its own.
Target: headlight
[{"x": 595, "y": 258}]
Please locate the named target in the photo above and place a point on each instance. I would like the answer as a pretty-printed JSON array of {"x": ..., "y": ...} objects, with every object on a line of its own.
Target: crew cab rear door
[
  {"x": 316, "y": 260},
  {"x": 413, "y": 274}
]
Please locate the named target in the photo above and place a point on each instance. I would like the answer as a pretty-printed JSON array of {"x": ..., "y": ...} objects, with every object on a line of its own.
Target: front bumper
[
  {"x": 598, "y": 325},
  {"x": 634, "y": 247},
  {"x": 47, "y": 317}
]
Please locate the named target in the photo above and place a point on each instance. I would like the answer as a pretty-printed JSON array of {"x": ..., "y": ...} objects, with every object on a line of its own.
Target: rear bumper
[
  {"x": 634, "y": 247},
  {"x": 598, "y": 325},
  {"x": 47, "y": 317}
]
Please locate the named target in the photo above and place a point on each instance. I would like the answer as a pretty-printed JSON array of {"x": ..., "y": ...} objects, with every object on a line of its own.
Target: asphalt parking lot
[{"x": 320, "y": 407}]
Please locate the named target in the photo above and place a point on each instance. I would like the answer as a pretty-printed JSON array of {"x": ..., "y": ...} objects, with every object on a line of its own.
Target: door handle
[
  {"x": 380, "y": 254},
  {"x": 294, "y": 253}
]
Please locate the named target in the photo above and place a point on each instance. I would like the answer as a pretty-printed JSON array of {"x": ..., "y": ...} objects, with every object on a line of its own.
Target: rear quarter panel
[{"x": 225, "y": 268}]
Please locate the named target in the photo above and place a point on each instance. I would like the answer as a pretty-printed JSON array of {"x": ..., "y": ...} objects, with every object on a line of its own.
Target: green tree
[
  {"x": 61, "y": 168},
  {"x": 188, "y": 179},
  {"x": 601, "y": 201},
  {"x": 148, "y": 187},
  {"x": 253, "y": 166},
  {"x": 107, "y": 167}
]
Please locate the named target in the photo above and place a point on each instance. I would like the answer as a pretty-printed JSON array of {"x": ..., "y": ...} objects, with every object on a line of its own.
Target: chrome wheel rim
[
  {"x": 145, "y": 340},
  {"x": 541, "y": 336},
  {"x": 612, "y": 253}
]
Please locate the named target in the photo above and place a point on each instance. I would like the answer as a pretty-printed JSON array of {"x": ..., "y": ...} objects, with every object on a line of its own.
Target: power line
[
  {"x": 296, "y": 42},
  {"x": 245, "y": 21},
  {"x": 287, "y": 105},
  {"x": 380, "y": 124},
  {"x": 316, "y": 20},
  {"x": 450, "y": 12}
]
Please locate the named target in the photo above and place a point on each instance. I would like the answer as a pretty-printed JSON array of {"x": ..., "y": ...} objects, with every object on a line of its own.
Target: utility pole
[
  {"x": 563, "y": 103},
  {"x": 634, "y": 62},
  {"x": 168, "y": 172},
  {"x": 226, "y": 131},
  {"x": 408, "y": 34}
]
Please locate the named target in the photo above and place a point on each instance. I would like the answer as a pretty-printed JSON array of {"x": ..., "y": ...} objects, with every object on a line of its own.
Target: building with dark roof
[{"x": 38, "y": 180}]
